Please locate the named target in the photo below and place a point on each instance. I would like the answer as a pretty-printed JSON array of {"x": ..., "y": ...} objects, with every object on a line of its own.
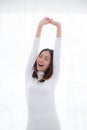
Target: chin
[{"x": 38, "y": 69}]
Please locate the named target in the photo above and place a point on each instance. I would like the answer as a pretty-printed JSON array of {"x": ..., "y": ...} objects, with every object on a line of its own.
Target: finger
[
  {"x": 47, "y": 18},
  {"x": 50, "y": 20},
  {"x": 44, "y": 18}
]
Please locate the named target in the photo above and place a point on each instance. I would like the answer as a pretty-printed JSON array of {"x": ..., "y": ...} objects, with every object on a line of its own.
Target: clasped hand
[{"x": 47, "y": 20}]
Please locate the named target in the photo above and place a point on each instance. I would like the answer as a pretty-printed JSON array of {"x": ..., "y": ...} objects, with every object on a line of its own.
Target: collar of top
[{"x": 40, "y": 74}]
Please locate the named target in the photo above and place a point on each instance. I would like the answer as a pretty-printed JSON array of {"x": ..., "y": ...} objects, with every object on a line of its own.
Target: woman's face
[{"x": 43, "y": 61}]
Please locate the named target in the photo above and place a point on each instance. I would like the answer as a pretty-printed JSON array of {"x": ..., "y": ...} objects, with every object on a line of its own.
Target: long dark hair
[{"x": 49, "y": 71}]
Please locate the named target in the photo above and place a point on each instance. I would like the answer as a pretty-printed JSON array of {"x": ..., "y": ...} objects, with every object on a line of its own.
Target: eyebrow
[{"x": 45, "y": 56}]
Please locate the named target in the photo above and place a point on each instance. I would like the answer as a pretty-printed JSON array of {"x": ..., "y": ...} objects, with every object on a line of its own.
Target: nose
[{"x": 41, "y": 60}]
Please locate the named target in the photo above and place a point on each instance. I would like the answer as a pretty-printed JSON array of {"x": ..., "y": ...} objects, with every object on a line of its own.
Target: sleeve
[
  {"x": 56, "y": 58},
  {"x": 32, "y": 56}
]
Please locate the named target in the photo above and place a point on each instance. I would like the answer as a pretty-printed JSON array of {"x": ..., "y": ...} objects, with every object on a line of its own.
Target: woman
[{"x": 41, "y": 74}]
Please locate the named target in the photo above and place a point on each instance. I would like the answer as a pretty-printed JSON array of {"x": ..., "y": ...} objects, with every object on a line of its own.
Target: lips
[{"x": 41, "y": 65}]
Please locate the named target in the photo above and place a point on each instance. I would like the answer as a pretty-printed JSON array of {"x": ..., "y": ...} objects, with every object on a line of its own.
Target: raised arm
[
  {"x": 32, "y": 56},
  {"x": 58, "y": 26},
  {"x": 35, "y": 47},
  {"x": 56, "y": 58}
]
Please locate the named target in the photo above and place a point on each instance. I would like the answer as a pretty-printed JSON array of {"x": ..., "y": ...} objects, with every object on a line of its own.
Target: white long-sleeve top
[{"x": 40, "y": 95}]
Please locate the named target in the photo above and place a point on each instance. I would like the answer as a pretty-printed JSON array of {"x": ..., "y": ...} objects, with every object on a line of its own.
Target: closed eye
[
  {"x": 40, "y": 56},
  {"x": 46, "y": 59}
]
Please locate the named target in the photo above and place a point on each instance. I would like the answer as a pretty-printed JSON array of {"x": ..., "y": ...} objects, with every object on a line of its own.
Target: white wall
[
  {"x": 11, "y": 71},
  {"x": 17, "y": 30}
]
